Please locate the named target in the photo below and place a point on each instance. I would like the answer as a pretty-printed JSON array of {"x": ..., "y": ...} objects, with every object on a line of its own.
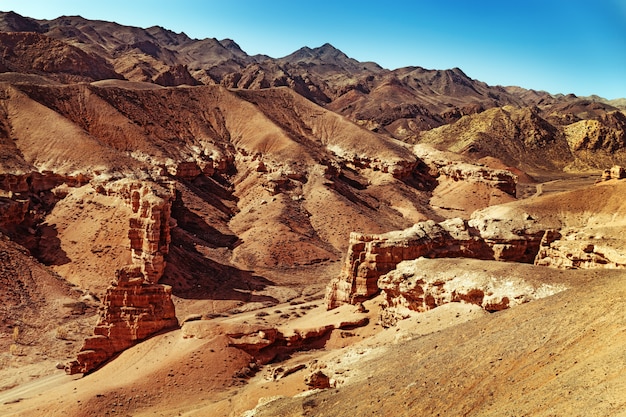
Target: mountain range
[
  {"x": 199, "y": 231},
  {"x": 401, "y": 103}
]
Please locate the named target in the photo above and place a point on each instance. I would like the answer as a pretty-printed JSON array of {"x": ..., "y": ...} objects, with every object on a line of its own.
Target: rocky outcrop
[
  {"x": 176, "y": 75},
  {"x": 574, "y": 249},
  {"x": 266, "y": 344},
  {"x": 26, "y": 199},
  {"x": 36, "y": 182},
  {"x": 447, "y": 165},
  {"x": 185, "y": 170},
  {"x": 18, "y": 190},
  {"x": 12, "y": 211},
  {"x": 606, "y": 133},
  {"x": 133, "y": 309},
  {"x": 135, "y": 305},
  {"x": 317, "y": 380},
  {"x": 371, "y": 256},
  {"x": 497, "y": 178},
  {"x": 149, "y": 231},
  {"x": 420, "y": 285},
  {"x": 616, "y": 172}
]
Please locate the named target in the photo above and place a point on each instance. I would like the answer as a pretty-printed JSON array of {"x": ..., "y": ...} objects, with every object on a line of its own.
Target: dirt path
[
  {"x": 34, "y": 388},
  {"x": 556, "y": 186}
]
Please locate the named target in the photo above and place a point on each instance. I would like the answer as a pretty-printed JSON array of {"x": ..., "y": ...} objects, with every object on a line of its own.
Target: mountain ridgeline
[{"x": 537, "y": 131}]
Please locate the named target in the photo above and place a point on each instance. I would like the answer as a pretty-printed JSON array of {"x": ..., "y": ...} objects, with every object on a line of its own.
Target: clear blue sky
[{"x": 561, "y": 46}]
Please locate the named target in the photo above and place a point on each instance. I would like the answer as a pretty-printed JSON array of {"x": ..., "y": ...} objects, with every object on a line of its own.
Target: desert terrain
[{"x": 189, "y": 230}]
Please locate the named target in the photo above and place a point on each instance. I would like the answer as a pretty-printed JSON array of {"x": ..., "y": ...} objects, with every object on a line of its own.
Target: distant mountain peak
[
  {"x": 327, "y": 46},
  {"x": 230, "y": 45},
  {"x": 326, "y": 54},
  {"x": 13, "y": 22}
]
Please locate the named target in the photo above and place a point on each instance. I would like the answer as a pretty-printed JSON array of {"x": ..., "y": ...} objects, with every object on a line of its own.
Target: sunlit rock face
[
  {"x": 421, "y": 285},
  {"x": 371, "y": 256},
  {"x": 133, "y": 309}
]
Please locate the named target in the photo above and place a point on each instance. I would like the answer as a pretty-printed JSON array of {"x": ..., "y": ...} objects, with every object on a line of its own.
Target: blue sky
[{"x": 560, "y": 46}]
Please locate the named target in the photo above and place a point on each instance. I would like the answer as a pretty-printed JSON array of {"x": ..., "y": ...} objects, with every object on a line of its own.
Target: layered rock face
[
  {"x": 36, "y": 182},
  {"x": 149, "y": 232},
  {"x": 497, "y": 178},
  {"x": 573, "y": 248},
  {"x": 133, "y": 310},
  {"x": 371, "y": 256},
  {"x": 450, "y": 166},
  {"x": 420, "y": 285},
  {"x": 26, "y": 197},
  {"x": 135, "y": 305}
]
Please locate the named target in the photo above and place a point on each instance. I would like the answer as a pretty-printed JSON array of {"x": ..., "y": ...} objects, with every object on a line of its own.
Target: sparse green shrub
[{"x": 61, "y": 333}]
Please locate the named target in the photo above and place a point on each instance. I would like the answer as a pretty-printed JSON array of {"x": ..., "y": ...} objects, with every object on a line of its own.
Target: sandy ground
[
  {"x": 193, "y": 371},
  {"x": 562, "y": 355},
  {"x": 200, "y": 365}
]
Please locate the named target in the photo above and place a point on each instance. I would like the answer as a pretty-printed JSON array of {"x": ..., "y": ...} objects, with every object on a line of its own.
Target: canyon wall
[{"x": 586, "y": 234}]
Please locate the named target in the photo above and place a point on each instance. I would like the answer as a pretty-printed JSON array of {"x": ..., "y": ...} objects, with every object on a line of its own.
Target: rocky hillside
[
  {"x": 400, "y": 103},
  {"x": 228, "y": 197},
  {"x": 582, "y": 135}
]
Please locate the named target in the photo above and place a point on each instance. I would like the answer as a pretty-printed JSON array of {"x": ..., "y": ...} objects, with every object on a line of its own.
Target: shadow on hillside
[
  {"x": 194, "y": 276},
  {"x": 196, "y": 226},
  {"x": 48, "y": 250},
  {"x": 212, "y": 190}
]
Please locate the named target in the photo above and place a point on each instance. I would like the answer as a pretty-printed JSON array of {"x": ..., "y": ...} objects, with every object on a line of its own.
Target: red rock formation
[
  {"x": 36, "y": 182},
  {"x": 371, "y": 256},
  {"x": 12, "y": 211},
  {"x": 420, "y": 285},
  {"x": 266, "y": 344},
  {"x": 444, "y": 164},
  {"x": 186, "y": 170},
  {"x": 497, "y": 178},
  {"x": 25, "y": 200},
  {"x": 149, "y": 232},
  {"x": 135, "y": 305},
  {"x": 133, "y": 310},
  {"x": 318, "y": 380},
  {"x": 269, "y": 343},
  {"x": 576, "y": 249}
]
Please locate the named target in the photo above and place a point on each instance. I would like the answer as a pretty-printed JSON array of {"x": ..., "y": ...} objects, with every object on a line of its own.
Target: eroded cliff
[
  {"x": 135, "y": 306},
  {"x": 371, "y": 256},
  {"x": 585, "y": 234}
]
